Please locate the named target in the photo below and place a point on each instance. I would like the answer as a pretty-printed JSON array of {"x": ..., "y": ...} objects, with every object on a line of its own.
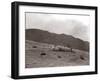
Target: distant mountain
[{"x": 56, "y": 39}]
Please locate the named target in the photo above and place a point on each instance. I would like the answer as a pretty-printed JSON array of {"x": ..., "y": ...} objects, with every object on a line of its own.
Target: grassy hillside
[
  {"x": 56, "y": 39},
  {"x": 42, "y": 55}
]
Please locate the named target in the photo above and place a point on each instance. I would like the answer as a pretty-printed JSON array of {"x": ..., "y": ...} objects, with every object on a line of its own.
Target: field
[{"x": 42, "y": 55}]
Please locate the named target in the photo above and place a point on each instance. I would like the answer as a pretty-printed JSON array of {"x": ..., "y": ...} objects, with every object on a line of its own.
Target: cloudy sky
[{"x": 75, "y": 25}]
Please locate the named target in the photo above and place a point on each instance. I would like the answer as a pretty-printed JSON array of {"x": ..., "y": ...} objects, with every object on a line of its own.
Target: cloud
[{"x": 72, "y": 25}]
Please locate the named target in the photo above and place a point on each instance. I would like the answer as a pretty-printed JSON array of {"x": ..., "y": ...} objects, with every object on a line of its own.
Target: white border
[{"x": 53, "y": 70}]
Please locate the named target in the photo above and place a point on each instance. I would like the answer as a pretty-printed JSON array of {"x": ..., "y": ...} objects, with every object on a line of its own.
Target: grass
[{"x": 42, "y": 55}]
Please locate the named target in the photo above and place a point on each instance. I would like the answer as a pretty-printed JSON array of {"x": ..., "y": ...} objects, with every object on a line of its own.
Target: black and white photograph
[
  {"x": 53, "y": 40},
  {"x": 50, "y": 40}
]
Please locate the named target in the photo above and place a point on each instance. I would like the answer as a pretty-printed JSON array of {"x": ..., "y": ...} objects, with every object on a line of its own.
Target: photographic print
[
  {"x": 50, "y": 40},
  {"x": 56, "y": 39}
]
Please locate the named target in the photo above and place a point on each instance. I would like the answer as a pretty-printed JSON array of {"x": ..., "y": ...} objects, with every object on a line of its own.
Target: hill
[
  {"x": 41, "y": 55},
  {"x": 56, "y": 39}
]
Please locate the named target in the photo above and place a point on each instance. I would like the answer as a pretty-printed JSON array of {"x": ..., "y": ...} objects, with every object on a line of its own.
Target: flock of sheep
[
  {"x": 32, "y": 45},
  {"x": 61, "y": 48}
]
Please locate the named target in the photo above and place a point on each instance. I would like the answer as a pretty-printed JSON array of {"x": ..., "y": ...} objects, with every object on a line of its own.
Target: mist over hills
[{"x": 56, "y": 39}]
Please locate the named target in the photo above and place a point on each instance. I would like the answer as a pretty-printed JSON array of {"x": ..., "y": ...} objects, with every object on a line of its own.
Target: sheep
[{"x": 59, "y": 48}]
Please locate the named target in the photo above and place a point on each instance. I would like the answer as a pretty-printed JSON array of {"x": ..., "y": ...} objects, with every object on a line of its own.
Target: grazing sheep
[{"x": 60, "y": 48}]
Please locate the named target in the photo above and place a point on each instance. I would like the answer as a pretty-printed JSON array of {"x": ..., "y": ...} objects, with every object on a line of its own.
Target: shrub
[
  {"x": 34, "y": 47},
  {"x": 42, "y": 54},
  {"x": 82, "y": 58},
  {"x": 59, "y": 56}
]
